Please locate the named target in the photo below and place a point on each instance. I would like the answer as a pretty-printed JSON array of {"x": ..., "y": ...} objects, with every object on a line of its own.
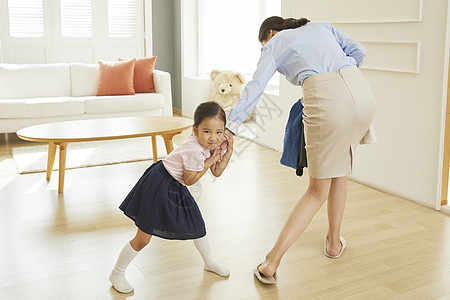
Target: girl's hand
[
  {"x": 191, "y": 177},
  {"x": 212, "y": 160},
  {"x": 216, "y": 151}
]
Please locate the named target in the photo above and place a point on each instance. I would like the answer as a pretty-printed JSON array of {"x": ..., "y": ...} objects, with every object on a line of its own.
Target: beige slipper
[
  {"x": 343, "y": 243},
  {"x": 263, "y": 278}
]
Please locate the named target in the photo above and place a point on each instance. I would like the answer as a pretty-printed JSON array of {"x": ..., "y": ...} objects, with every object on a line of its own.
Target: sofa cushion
[
  {"x": 128, "y": 103},
  {"x": 41, "y": 107},
  {"x": 34, "y": 80},
  {"x": 143, "y": 74},
  {"x": 84, "y": 79},
  {"x": 116, "y": 78}
]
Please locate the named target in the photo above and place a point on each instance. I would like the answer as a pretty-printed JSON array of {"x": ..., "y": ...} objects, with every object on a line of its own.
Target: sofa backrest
[
  {"x": 34, "y": 80},
  {"x": 84, "y": 78}
]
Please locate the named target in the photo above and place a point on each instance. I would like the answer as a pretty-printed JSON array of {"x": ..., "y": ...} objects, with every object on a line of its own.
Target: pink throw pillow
[
  {"x": 116, "y": 78},
  {"x": 143, "y": 74}
]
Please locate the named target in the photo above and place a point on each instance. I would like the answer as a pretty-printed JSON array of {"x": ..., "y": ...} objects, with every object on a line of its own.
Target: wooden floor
[{"x": 63, "y": 247}]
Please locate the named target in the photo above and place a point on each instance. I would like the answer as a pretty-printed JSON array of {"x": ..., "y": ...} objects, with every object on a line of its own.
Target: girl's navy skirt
[{"x": 159, "y": 205}]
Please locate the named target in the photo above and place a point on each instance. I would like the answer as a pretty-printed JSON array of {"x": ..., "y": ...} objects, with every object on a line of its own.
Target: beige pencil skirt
[{"x": 339, "y": 107}]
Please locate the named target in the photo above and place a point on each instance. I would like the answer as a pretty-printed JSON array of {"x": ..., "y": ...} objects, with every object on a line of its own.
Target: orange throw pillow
[
  {"x": 143, "y": 74},
  {"x": 116, "y": 78}
]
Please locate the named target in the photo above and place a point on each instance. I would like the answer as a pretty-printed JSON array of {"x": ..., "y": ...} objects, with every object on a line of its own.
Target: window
[
  {"x": 122, "y": 18},
  {"x": 46, "y": 31},
  {"x": 26, "y": 18},
  {"x": 76, "y": 18},
  {"x": 230, "y": 33}
]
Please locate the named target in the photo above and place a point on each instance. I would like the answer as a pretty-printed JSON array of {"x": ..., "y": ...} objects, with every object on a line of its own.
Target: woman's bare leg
[
  {"x": 299, "y": 219},
  {"x": 336, "y": 206}
]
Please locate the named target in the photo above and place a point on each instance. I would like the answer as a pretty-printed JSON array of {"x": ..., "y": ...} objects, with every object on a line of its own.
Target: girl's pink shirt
[{"x": 190, "y": 155}]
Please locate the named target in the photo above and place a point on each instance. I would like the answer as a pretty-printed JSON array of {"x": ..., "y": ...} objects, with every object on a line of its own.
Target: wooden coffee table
[{"x": 59, "y": 134}]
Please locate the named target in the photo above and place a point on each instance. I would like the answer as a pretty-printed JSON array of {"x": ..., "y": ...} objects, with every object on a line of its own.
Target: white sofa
[{"x": 33, "y": 94}]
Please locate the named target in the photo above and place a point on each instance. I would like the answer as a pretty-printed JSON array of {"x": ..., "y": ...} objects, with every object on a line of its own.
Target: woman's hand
[
  {"x": 227, "y": 134},
  {"x": 221, "y": 149},
  {"x": 228, "y": 131},
  {"x": 229, "y": 141}
]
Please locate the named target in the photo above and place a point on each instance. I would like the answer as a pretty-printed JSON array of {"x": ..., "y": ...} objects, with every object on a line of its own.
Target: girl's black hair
[
  {"x": 207, "y": 110},
  {"x": 278, "y": 24}
]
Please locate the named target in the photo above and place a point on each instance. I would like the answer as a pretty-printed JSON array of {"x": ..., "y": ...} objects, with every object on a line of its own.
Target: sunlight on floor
[{"x": 7, "y": 164}]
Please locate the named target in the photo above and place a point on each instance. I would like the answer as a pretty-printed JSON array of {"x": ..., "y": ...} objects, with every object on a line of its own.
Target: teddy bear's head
[{"x": 227, "y": 82}]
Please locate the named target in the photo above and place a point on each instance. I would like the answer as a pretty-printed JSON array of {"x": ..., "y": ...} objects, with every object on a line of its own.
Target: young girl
[{"x": 160, "y": 203}]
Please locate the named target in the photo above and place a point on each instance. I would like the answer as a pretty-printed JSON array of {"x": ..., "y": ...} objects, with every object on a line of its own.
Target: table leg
[
  {"x": 155, "y": 149},
  {"x": 51, "y": 159},
  {"x": 62, "y": 166},
  {"x": 168, "y": 141}
]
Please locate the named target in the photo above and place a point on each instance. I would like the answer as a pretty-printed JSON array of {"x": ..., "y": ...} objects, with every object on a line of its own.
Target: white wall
[{"x": 406, "y": 67}]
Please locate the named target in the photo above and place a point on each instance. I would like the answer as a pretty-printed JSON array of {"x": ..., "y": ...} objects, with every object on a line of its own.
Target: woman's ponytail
[
  {"x": 279, "y": 24},
  {"x": 291, "y": 23}
]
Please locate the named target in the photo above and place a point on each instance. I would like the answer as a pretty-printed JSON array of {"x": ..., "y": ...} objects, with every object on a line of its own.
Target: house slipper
[
  {"x": 263, "y": 278},
  {"x": 343, "y": 244}
]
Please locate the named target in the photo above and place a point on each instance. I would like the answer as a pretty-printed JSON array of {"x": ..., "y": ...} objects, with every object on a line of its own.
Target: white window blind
[
  {"x": 122, "y": 18},
  {"x": 76, "y": 18},
  {"x": 26, "y": 18}
]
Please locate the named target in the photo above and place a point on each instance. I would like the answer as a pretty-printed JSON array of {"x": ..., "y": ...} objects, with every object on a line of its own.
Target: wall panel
[
  {"x": 367, "y": 11},
  {"x": 392, "y": 56}
]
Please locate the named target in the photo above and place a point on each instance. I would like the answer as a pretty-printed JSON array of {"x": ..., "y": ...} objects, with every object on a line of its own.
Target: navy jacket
[{"x": 294, "y": 147}]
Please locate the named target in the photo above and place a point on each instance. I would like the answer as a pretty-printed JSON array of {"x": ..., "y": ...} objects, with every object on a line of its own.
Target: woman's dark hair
[
  {"x": 207, "y": 110},
  {"x": 278, "y": 24}
]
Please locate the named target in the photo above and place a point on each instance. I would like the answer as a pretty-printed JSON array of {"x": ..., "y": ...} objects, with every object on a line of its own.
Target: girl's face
[{"x": 210, "y": 132}]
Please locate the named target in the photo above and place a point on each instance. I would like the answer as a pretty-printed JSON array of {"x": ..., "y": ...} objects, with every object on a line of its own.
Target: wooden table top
[{"x": 104, "y": 129}]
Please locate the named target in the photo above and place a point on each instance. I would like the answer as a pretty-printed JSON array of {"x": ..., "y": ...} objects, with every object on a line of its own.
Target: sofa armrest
[{"x": 163, "y": 86}]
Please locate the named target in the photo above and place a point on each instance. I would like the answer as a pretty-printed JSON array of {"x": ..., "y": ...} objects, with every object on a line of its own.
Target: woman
[{"x": 339, "y": 107}]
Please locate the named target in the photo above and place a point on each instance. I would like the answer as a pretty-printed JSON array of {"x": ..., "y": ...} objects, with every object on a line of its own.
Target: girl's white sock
[
  {"x": 202, "y": 246},
  {"x": 117, "y": 276}
]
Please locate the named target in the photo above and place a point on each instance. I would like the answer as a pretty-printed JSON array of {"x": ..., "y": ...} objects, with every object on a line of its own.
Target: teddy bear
[{"x": 227, "y": 88}]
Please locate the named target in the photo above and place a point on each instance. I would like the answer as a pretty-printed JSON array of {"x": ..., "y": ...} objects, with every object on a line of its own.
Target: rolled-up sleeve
[{"x": 253, "y": 90}]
